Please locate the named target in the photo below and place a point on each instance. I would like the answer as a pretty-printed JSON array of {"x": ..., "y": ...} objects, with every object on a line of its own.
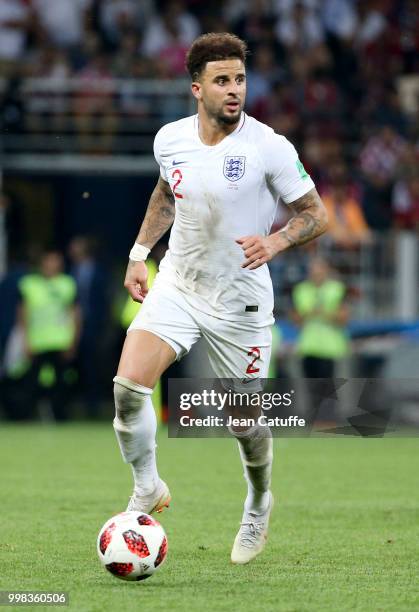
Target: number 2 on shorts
[{"x": 255, "y": 353}]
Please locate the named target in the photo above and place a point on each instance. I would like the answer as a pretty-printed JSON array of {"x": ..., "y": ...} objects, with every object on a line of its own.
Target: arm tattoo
[
  {"x": 159, "y": 216},
  {"x": 309, "y": 222}
]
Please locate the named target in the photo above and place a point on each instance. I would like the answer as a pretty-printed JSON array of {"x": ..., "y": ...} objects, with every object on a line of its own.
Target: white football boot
[
  {"x": 251, "y": 537},
  {"x": 155, "y": 502}
]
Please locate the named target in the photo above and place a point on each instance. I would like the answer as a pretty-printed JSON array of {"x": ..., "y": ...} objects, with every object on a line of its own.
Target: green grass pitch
[{"x": 343, "y": 536}]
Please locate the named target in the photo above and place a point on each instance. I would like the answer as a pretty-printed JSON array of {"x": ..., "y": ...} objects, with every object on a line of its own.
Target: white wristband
[{"x": 139, "y": 252}]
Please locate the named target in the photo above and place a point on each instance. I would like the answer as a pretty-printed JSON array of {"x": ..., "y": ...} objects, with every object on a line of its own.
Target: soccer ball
[{"x": 132, "y": 545}]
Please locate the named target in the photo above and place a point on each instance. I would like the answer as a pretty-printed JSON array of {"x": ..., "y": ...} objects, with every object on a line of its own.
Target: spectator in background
[
  {"x": 94, "y": 104},
  {"x": 379, "y": 160},
  {"x": 117, "y": 18},
  {"x": 280, "y": 110},
  {"x": 92, "y": 289},
  {"x": 339, "y": 19},
  {"x": 50, "y": 319},
  {"x": 63, "y": 21},
  {"x": 158, "y": 34},
  {"x": 299, "y": 28},
  {"x": 406, "y": 202},
  {"x": 10, "y": 244},
  {"x": 255, "y": 23},
  {"x": 47, "y": 107},
  {"x": 14, "y": 25},
  {"x": 371, "y": 23},
  {"x": 409, "y": 35},
  {"x": 320, "y": 309},
  {"x": 135, "y": 102},
  {"x": 173, "y": 53},
  {"x": 260, "y": 77},
  {"x": 126, "y": 55},
  {"x": 11, "y": 225},
  {"x": 347, "y": 225},
  {"x": 405, "y": 195}
]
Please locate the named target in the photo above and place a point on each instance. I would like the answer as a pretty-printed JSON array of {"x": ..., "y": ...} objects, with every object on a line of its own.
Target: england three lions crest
[{"x": 234, "y": 167}]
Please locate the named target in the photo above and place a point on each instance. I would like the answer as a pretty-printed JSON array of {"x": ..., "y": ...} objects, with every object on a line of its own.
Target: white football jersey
[{"x": 224, "y": 192}]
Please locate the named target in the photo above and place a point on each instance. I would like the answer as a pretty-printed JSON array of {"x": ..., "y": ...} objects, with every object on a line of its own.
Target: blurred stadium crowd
[{"x": 338, "y": 77}]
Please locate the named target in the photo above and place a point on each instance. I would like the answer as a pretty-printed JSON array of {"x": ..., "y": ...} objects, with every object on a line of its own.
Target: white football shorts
[{"x": 239, "y": 350}]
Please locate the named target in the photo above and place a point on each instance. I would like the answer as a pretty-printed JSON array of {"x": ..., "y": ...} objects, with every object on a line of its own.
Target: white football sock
[
  {"x": 255, "y": 446},
  {"x": 135, "y": 426}
]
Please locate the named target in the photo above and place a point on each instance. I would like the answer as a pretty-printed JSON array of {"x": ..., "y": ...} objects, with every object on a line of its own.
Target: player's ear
[{"x": 196, "y": 90}]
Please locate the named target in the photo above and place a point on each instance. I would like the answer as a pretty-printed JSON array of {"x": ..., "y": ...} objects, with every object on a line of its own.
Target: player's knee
[{"x": 129, "y": 397}]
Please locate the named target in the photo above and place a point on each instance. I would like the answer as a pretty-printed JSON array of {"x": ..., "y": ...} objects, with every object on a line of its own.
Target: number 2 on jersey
[
  {"x": 255, "y": 353},
  {"x": 177, "y": 173}
]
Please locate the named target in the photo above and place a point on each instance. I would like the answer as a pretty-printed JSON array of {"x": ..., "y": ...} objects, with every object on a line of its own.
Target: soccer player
[{"x": 221, "y": 176}]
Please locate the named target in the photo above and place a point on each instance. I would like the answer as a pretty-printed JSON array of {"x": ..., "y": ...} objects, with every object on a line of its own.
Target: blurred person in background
[
  {"x": 158, "y": 35},
  {"x": 406, "y": 202},
  {"x": 347, "y": 225},
  {"x": 280, "y": 110},
  {"x": 255, "y": 22},
  {"x": 321, "y": 311},
  {"x": 371, "y": 23},
  {"x": 405, "y": 195},
  {"x": 93, "y": 300},
  {"x": 261, "y": 76},
  {"x": 117, "y": 18},
  {"x": 94, "y": 103},
  {"x": 62, "y": 21},
  {"x": 299, "y": 28},
  {"x": 47, "y": 107},
  {"x": 125, "y": 57},
  {"x": 173, "y": 52},
  {"x": 51, "y": 323},
  {"x": 379, "y": 160},
  {"x": 339, "y": 18},
  {"x": 14, "y": 25},
  {"x": 11, "y": 268}
]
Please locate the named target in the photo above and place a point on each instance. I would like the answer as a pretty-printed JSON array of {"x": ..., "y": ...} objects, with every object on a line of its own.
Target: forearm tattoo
[
  {"x": 309, "y": 222},
  {"x": 159, "y": 216}
]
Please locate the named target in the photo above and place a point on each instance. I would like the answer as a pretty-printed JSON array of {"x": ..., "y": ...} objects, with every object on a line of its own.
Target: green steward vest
[
  {"x": 319, "y": 337},
  {"x": 48, "y": 302}
]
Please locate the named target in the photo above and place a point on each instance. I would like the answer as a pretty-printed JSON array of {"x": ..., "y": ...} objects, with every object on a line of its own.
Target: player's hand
[
  {"x": 258, "y": 250},
  {"x": 136, "y": 280}
]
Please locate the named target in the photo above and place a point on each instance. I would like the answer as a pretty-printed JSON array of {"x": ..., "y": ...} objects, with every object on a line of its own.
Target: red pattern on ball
[
  {"x": 136, "y": 543},
  {"x": 162, "y": 553},
  {"x": 105, "y": 538},
  {"x": 144, "y": 519},
  {"x": 120, "y": 569}
]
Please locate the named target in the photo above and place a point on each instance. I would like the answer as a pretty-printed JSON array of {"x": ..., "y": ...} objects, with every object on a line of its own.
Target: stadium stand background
[{"x": 85, "y": 84}]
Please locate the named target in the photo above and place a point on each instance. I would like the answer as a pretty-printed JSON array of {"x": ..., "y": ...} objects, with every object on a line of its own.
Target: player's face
[{"x": 222, "y": 90}]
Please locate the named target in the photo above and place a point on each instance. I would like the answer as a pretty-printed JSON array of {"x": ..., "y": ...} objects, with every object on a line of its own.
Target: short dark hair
[{"x": 213, "y": 47}]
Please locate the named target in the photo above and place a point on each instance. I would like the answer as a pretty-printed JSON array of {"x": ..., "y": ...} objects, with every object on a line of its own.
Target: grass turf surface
[{"x": 343, "y": 535}]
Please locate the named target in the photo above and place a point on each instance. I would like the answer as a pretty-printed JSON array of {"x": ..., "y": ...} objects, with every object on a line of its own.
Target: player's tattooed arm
[
  {"x": 309, "y": 222},
  {"x": 159, "y": 216}
]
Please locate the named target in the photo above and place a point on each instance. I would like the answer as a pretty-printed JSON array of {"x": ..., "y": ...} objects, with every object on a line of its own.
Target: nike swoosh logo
[{"x": 175, "y": 163}]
